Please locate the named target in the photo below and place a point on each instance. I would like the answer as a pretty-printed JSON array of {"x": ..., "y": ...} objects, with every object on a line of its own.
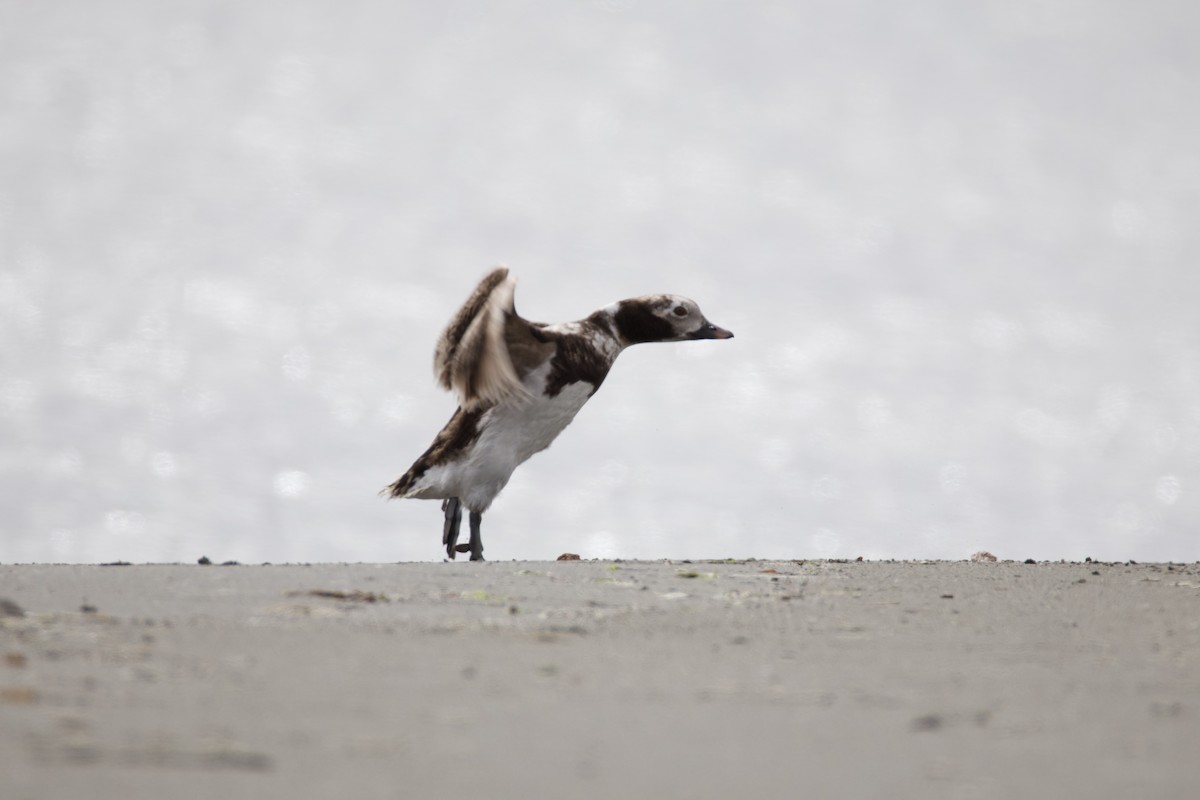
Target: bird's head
[{"x": 663, "y": 318}]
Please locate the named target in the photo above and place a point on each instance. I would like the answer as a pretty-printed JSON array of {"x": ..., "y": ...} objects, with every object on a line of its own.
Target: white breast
[
  {"x": 529, "y": 427},
  {"x": 510, "y": 434}
]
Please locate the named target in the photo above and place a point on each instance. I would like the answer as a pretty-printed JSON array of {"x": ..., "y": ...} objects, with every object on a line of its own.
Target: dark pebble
[{"x": 929, "y": 722}]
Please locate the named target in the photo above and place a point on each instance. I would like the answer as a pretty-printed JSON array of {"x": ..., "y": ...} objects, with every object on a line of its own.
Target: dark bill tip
[{"x": 710, "y": 331}]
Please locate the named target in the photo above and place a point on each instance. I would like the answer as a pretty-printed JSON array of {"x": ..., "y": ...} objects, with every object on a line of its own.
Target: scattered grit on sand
[{"x": 588, "y": 679}]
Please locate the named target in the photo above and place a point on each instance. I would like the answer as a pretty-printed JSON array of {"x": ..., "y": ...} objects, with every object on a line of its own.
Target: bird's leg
[
  {"x": 476, "y": 538},
  {"x": 453, "y": 509}
]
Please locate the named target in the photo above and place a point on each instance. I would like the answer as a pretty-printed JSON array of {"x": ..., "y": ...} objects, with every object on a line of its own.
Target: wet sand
[{"x": 600, "y": 679}]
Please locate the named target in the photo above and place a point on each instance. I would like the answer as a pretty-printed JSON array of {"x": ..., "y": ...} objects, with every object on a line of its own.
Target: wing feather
[{"x": 472, "y": 358}]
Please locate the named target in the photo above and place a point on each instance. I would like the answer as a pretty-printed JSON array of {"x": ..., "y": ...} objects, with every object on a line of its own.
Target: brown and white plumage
[
  {"x": 472, "y": 358},
  {"x": 519, "y": 384}
]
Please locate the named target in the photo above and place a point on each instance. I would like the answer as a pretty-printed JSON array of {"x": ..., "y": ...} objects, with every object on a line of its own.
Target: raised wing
[{"x": 472, "y": 358}]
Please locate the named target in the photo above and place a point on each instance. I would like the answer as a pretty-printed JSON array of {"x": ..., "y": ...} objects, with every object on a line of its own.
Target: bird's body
[
  {"x": 519, "y": 384},
  {"x": 482, "y": 448}
]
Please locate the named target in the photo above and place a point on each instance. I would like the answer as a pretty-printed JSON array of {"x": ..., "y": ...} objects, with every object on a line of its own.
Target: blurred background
[{"x": 957, "y": 242}]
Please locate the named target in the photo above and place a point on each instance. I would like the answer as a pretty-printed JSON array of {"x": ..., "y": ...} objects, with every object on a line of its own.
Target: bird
[{"x": 519, "y": 384}]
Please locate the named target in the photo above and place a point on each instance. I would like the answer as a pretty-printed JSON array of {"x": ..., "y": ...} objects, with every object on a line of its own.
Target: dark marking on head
[
  {"x": 637, "y": 322},
  {"x": 451, "y": 443}
]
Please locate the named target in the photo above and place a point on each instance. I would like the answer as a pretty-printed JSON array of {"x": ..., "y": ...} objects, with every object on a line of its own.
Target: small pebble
[{"x": 929, "y": 722}]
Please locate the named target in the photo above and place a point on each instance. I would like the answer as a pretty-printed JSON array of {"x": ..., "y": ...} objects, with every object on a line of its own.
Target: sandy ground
[{"x": 600, "y": 679}]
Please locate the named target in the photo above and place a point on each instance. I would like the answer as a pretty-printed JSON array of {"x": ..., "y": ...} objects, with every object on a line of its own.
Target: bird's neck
[{"x": 600, "y": 328}]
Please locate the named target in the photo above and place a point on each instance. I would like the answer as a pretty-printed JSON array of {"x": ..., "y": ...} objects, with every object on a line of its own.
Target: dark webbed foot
[
  {"x": 476, "y": 538},
  {"x": 453, "y": 509}
]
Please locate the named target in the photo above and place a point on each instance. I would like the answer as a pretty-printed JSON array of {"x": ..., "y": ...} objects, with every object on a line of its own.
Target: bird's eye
[{"x": 680, "y": 311}]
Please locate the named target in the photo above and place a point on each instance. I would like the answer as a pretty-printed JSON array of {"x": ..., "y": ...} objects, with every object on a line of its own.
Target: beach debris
[
  {"x": 18, "y": 696},
  {"x": 299, "y": 610},
  {"x": 15, "y": 660},
  {"x": 9, "y": 608},
  {"x": 152, "y": 754},
  {"x": 575, "y": 630},
  {"x": 983, "y": 556},
  {"x": 928, "y": 722},
  {"x": 568, "y": 557},
  {"x": 1172, "y": 709},
  {"x": 482, "y": 596},
  {"x": 355, "y": 596}
]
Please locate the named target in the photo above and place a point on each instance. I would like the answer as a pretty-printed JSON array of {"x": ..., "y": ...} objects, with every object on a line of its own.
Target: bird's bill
[{"x": 710, "y": 331}]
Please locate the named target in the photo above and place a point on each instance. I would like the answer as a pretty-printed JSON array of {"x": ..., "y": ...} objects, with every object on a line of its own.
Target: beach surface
[{"x": 600, "y": 679}]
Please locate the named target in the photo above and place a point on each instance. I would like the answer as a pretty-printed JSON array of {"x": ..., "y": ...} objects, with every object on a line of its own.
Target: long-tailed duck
[{"x": 519, "y": 383}]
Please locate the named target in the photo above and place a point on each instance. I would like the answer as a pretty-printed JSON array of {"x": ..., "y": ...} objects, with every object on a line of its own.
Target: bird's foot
[
  {"x": 476, "y": 545},
  {"x": 453, "y": 508}
]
